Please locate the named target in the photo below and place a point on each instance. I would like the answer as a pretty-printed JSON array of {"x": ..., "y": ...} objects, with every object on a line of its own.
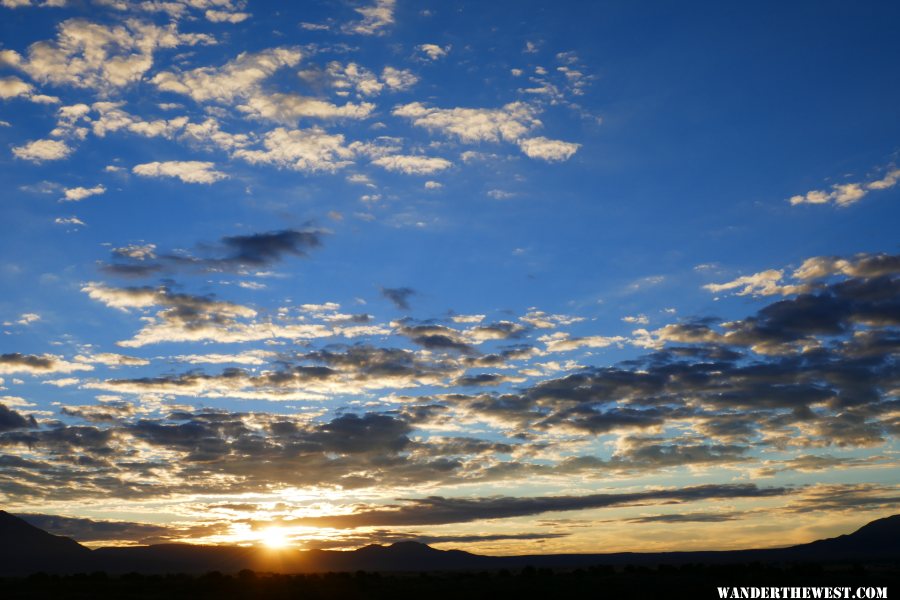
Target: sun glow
[{"x": 274, "y": 537}]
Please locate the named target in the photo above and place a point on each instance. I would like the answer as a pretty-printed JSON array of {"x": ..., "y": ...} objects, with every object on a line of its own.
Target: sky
[{"x": 509, "y": 277}]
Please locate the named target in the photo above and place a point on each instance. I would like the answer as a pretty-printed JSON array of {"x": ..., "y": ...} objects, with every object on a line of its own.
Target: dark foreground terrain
[
  {"x": 684, "y": 581},
  {"x": 37, "y": 564}
]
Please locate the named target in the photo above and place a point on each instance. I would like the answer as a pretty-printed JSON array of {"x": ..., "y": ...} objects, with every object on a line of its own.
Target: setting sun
[{"x": 274, "y": 537}]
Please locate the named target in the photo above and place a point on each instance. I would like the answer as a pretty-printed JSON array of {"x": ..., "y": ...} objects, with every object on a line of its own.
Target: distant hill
[{"x": 26, "y": 549}]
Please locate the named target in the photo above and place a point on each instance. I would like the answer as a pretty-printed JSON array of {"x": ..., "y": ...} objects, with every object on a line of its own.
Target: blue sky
[{"x": 312, "y": 266}]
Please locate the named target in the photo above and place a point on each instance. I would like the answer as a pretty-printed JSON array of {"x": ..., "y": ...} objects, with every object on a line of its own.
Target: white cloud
[
  {"x": 249, "y": 357},
  {"x": 22, "y": 3},
  {"x": 136, "y": 251},
  {"x": 561, "y": 342},
  {"x": 500, "y": 194},
  {"x": 764, "y": 283},
  {"x": 413, "y": 165},
  {"x": 209, "y": 132},
  {"x": 112, "y": 118},
  {"x": 433, "y": 185},
  {"x": 398, "y": 79},
  {"x": 13, "y": 87},
  {"x": 288, "y": 108},
  {"x": 189, "y": 171},
  {"x": 845, "y": 194},
  {"x": 636, "y": 319},
  {"x": 28, "y": 318},
  {"x": 888, "y": 181},
  {"x": 92, "y": 55},
  {"x": 508, "y": 123},
  {"x": 221, "y": 16},
  {"x": 301, "y": 150},
  {"x": 352, "y": 77},
  {"x": 80, "y": 193},
  {"x": 69, "y": 221},
  {"x": 360, "y": 179},
  {"x": 237, "y": 78},
  {"x": 111, "y": 359},
  {"x": 468, "y": 318},
  {"x": 375, "y": 18},
  {"x": 41, "y": 150},
  {"x": 542, "y": 320},
  {"x": 433, "y": 51},
  {"x": 549, "y": 150}
]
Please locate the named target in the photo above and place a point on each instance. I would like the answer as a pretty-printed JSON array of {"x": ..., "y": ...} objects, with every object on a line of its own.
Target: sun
[{"x": 274, "y": 537}]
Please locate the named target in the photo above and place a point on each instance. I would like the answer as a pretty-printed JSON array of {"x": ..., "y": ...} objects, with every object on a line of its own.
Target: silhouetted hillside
[{"x": 26, "y": 549}]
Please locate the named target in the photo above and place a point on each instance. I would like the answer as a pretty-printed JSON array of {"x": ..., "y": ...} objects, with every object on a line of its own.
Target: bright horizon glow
[{"x": 275, "y": 538}]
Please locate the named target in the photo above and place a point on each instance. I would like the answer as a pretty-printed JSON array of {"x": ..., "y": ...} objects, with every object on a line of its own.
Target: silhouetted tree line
[{"x": 664, "y": 581}]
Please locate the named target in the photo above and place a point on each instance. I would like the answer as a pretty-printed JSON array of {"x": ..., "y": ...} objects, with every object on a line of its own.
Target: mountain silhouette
[{"x": 26, "y": 549}]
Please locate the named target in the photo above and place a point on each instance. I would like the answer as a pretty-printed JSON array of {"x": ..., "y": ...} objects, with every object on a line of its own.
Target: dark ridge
[{"x": 25, "y": 549}]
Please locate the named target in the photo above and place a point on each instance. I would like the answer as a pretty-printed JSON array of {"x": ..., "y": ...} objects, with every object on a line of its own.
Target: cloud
[
  {"x": 13, "y": 87},
  {"x": 231, "y": 253},
  {"x": 28, "y": 318},
  {"x": 861, "y": 265},
  {"x": 413, "y": 165},
  {"x": 433, "y": 51},
  {"x": 111, "y": 359},
  {"x": 91, "y": 55},
  {"x": 32, "y": 364},
  {"x": 190, "y": 318},
  {"x": 41, "y": 150},
  {"x": 561, "y": 342},
  {"x": 549, "y": 150},
  {"x": 398, "y": 79},
  {"x": 845, "y": 194},
  {"x": 90, "y": 530},
  {"x": 111, "y": 118},
  {"x": 399, "y": 296},
  {"x": 11, "y": 420},
  {"x": 139, "y": 252},
  {"x": 301, "y": 150},
  {"x": 436, "y": 510},
  {"x": 80, "y": 193},
  {"x": 289, "y": 108},
  {"x": 69, "y": 221},
  {"x": 349, "y": 77},
  {"x": 221, "y": 16},
  {"x": 770, "y": 282},
  {"x": 471, "y": 125},
  {"x": 375, "y": 19},
  {"x": 190, "y": 171},
  {"x": 32, "y": 3},
  {"x": 764, "y": 283},
  {"x": 236, "y": 79}
]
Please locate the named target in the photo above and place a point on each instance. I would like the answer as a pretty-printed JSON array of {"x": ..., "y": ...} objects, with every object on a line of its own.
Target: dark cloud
[
  {"x": 89, "y": 530},
  {"x": 16, "y": 362},
  {"x": 232, "y": 253},
  {"x": 434, "y": 337},
  {"x": 686, "y": 518},
  {"x": 26, "y": 361},
  {"x": 399, "y": 296},
  {"x": 11, "y": 419},
  {"x": 436, "y": 510}
]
